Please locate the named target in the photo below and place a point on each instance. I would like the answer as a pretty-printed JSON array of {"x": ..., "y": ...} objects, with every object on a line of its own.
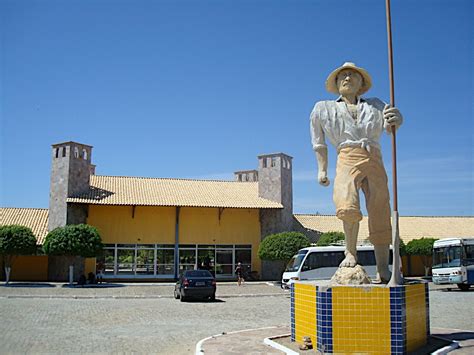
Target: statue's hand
[
  {"x": 323, "y": 178},
  {"x": 392, "y": 117}
]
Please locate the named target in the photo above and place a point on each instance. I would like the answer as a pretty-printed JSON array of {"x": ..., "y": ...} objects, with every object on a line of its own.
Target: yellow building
[
  {"x": 153, "y": 228},
  {"x": 150, "y": 225}
]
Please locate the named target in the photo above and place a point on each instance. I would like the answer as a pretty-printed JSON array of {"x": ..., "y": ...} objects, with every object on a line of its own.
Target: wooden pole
[
  {"x": 396, "y": 278},
  {"x": 392, "y": 102}
]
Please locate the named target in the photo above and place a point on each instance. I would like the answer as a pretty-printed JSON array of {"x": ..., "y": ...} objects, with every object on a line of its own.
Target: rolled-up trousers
[{"x": 359, "y": 169}]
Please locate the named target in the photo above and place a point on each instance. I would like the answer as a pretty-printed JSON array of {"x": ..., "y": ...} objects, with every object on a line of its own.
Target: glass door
[
  {"x": 224, "y": 262},
  {"x": 206, "y": 258}
]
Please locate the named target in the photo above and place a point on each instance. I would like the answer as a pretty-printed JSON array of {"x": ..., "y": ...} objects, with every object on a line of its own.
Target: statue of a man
[{"x": 354, "y": 124}]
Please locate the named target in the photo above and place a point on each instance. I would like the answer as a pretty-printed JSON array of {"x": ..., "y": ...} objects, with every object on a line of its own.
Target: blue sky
[{"x": 198, "y": 89}]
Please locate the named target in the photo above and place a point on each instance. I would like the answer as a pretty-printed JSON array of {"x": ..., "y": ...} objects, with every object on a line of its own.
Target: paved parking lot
[
  {"x": 144, "y": 325},
  {"x": 147, "y": 319}
]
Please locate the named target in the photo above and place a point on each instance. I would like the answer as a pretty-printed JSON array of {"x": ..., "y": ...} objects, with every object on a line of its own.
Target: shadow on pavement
[
  {"x": 103, "y": 285},
  {"x": 197, "y": 300},
  {"x": 458, "y": 335},
  {"x": 455, "y": 289},
  {"x": 29, "y": 284}
]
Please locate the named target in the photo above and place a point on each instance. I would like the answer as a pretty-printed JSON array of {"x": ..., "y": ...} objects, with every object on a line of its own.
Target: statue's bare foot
[
  {"x": 382, "y": 277},
  {"x": 349, "y": 261}
]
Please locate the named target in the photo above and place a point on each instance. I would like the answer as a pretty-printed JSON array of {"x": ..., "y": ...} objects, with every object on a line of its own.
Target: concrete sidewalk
[
  {"x": 241, "y": 342},
  {"x": 251, "y": 342}
]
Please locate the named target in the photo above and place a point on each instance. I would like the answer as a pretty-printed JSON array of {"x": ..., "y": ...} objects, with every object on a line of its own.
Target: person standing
[
  {"x": 240, "y": 273},
  {"x": 100, "y": 268}
]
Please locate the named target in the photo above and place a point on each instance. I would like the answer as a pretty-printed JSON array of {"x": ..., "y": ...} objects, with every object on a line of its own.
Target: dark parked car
[{"x": 195, "y": 283}]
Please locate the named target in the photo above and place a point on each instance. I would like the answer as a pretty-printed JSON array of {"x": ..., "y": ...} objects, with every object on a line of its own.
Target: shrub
[
  {"x": 282, "y": 246},
  {"x": 422, "y": 247},
  {"x": 403, "y": 248},
  {"x": 15, "y": 240},
  {"x": 74, "y": 240},
  {"x": 330, "y": 238}
]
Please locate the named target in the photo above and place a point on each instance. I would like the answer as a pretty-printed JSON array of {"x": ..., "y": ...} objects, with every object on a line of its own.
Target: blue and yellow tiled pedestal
[{"x": 361, "y": 319}]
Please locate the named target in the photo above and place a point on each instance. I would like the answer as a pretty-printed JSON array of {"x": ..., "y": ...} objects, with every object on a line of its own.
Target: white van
[{"x": 320, "y": 263}]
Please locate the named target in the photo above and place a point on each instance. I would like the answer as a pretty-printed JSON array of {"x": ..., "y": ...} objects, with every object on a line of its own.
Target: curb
[
  {"x": 199, "y": 350},
  {"x": 443, "y": 351},
  {"x": 277, "y": 346},
  {"x": 132, "y": 297}
]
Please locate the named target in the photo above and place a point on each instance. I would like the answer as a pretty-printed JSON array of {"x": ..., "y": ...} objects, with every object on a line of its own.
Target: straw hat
[{"x": 331, "y": 85}]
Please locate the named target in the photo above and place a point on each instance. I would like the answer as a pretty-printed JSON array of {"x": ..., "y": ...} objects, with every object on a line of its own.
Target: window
[
  {"x": 198, "y": 273},
  {"x": 224, "y": 262},
  {"x": 243, "y": 256},
  {"x": 108, "y": 260},
  {"x": 57, "y": 152},
  {"x": 366, "y": 257},
  {"x": 187, "y": 259},
  {"x": 274, "y": 161},
  {"x": 126, "y": 261},
  {"x": 145, "y": 261},
  {"x": 84, "y": 154},
  {"x": 206, "y": 257},
  {"x": 158, "y": 260},
  {"x": 322, "y": 259},
  {"x": 76, "y": 152},
  {"x": 165, "y": 261},
  {"x": 449, "y": 256},
  {"x": 469, "y": 258},
  {"x": 64, "y": 152}
]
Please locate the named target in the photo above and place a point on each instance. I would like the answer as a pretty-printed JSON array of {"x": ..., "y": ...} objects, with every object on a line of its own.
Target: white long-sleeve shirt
[{"x": 332, "y": 119}]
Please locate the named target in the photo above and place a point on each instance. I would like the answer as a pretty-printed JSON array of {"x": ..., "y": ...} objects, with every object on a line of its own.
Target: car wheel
[
  {"x": 212, "y": 297},
  {"x": 181, "y": 297},
  {"x": 464, "y": 287},
  {"x": 176, "y": 294}
]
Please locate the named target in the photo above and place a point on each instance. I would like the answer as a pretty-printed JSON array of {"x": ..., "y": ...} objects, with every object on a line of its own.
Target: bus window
[
  {"x": 438, "y": 257},
  {"x": 449, "y": 256},
  {"x": 366, "y": 257},
  {"x": 454, "y": 256},
  {"x": 317, "y": 260},
  {"x": 469, "y": 260}
]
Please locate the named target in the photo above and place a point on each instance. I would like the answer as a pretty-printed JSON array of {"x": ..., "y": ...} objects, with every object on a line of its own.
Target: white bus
[
  {"x": 453, "y": 262},
  {"x": 320, "y": 263}
]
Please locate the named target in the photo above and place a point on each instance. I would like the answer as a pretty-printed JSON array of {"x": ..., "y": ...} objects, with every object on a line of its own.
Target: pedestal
[{"x": 369, "y": 319}]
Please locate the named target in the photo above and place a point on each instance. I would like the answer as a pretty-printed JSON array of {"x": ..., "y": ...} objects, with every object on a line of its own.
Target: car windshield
[
  {"x": 295, "y": 262},
  {"x": 197, "y": 273},
  {"x": 447, "y": 257}
]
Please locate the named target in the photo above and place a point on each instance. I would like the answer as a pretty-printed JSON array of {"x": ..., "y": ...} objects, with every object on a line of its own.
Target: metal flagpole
[{"x": 396, "y": 278}]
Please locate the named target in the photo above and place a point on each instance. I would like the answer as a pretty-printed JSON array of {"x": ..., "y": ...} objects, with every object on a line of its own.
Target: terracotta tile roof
[
  {"x": 34, "y": 218},
  {"x": 120, "y": 190},
  {"x": 410, "y": 227}
]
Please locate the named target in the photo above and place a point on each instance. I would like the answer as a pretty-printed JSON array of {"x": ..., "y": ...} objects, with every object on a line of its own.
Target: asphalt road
[{"x": 146, "y": 319}]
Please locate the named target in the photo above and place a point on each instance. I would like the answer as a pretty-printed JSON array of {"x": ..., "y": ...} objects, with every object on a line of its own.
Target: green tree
[
  {"x": 15, "y": 240},
  {"x": 73, "y": 240},
  {"x": 330, "y": 238},
  {"x": 422, "y": 247},
  {"x": 282, "y": 246}
]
